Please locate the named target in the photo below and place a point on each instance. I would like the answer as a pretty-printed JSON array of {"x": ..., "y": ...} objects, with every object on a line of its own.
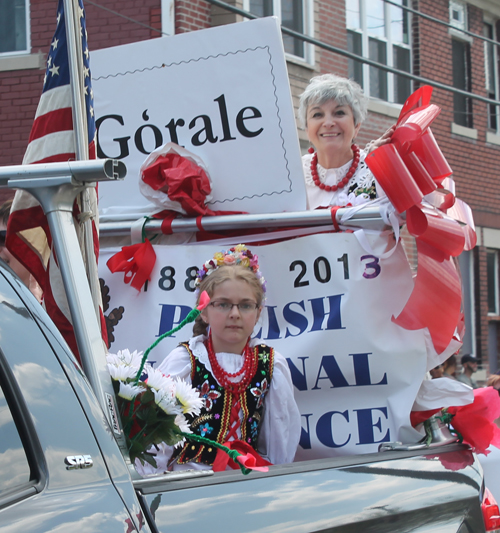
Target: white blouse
[
  {"x": 280, "y": 427},
  {"x": 356, "y": 192}
]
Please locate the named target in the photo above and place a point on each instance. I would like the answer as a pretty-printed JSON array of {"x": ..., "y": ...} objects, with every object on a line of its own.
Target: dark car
[{"x": 62, "y": 469}]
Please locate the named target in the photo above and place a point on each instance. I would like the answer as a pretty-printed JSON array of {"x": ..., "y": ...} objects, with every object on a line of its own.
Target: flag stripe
[
  {"x": 32, "y": 250},
  {"x": 55, "y": 144},
  {"x": 45, "y": 124},
  {"x": 53, "y": 99}
]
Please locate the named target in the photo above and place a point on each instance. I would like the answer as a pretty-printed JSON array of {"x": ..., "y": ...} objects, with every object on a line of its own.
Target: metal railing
[{"x": 368, "y": 217}]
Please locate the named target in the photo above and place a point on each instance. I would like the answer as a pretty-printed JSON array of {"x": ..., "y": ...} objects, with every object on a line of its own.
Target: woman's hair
[
  {"x": 327, "y": 87},
  {"x": 218, "y": 276}
]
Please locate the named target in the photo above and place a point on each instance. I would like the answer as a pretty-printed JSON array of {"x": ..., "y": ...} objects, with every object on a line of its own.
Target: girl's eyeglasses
[{"x": 243, "y": 307}]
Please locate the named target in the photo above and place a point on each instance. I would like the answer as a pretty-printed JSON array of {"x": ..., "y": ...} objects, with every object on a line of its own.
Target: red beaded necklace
[
  {"x": 344, "y": 181},
  {"x": 248, "y": 369}
]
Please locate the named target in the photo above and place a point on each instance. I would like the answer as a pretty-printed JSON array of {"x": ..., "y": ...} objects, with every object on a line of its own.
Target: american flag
[{"x": 52, "y": 139}]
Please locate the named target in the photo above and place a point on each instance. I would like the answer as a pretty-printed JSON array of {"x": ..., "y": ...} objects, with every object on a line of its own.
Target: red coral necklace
[
  {"x": 344, "y": 181},
  {"x": 248, "y": 369}
]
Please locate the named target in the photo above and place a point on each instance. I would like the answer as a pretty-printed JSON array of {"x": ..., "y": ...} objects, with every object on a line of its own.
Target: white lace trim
[{"x": 362, "y": 178}]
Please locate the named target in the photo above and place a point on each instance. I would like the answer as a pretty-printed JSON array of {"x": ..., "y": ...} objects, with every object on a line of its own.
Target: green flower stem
[
  {"x": 446, "y": 418},
  {"x": 192, "y": 316},
  {"x": 131, "y": 414},
  {"x": 428, "y": 432},
  {"x": 137, "y": 437},
  {"x": 128, "y": 427},
  {"x": 143, "y": 229},
  {"x": 233, "y": 454}
]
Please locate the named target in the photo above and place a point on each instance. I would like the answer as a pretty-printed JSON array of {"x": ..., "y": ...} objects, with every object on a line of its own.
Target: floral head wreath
[{"x": 237, "y": 255}]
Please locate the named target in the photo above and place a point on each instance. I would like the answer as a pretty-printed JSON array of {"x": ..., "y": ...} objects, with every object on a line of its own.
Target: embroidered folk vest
[{"x": 213, "y": 421}]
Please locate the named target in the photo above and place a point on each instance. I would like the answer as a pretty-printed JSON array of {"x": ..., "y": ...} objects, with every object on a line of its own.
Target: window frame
[
  {"x": 458, "y": 37},
  {"x": 27, "y": 50},
  {"x": 460, "y": 7},
  {"x": 492, "y": 23},
  {"x": 390, "y": 43},
  {"x": 167, "y": 18},
  {"x": 492, "y": 252},
  {"x": 307, "y": 27},
  {"x": 457, "y": 98},
  {"x": 28, "y": 436}
]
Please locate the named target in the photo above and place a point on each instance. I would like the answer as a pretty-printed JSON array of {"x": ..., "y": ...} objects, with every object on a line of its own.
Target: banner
[
  {"x": 328, "y": 311},
  {"x": 223, "y": 94}
]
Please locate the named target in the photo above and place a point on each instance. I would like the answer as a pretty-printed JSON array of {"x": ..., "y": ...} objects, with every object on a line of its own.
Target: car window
[{"x": 13, "y": 461}]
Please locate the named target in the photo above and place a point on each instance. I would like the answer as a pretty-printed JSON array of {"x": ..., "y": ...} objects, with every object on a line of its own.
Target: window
[
  {"x": 458, "y": 15},
  {"x": 379, "y": 31},
  {"x": 462, "y": 105},
  {"x": 13, "y": 461},
  {"x": 492, "y": 277},
  {"x": 292, "y": 14},
  {"x": 491, "y": 74},
  {"x": 14, "y": 26},
  {"x": 460, "y": 51}
]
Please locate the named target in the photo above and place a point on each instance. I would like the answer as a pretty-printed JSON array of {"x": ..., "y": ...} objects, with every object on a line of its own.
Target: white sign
[
  {"x": 328, "y": 311},
  {"x": 222, "y": 93}
]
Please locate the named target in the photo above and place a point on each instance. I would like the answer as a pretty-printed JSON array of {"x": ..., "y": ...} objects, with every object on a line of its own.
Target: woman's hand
[{"x": 384, "y": 139}]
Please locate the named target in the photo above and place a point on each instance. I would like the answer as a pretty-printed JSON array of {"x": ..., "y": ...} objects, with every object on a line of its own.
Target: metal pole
[
  {"x": 55, "y": 186},
  {"x": 77, "y": 82},
  {"x": 369, "y": 218},
  {"x": 87, "y": 331}
]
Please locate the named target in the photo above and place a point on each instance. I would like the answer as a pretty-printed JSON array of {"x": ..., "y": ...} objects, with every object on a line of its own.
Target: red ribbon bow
[
  {"x": 249, "y": 458},
  {"x": 182, "y": 180},
  {"x": 137, "y": 261},
  {"x": 410, "y": 167}
]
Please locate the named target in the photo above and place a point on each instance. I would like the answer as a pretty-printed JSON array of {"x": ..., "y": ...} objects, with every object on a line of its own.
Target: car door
[{"x": 61, "y": 468}]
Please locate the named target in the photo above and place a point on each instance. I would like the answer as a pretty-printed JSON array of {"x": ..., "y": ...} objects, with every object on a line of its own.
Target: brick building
[{"x": 440, "y": 40}]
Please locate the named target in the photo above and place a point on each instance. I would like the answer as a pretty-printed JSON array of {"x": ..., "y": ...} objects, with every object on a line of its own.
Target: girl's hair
[
  {"x": 218, "y": 276},
  {"x": 327, "y": 87}
]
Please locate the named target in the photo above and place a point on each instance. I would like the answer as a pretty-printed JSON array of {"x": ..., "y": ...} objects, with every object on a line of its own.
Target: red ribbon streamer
[
  {"x": 476, "y": 421},
  {"x": 166, "y": 224},
  {"x": 435, "y": 300},
  {"x": 410, "y": 167},
  {"x": 249, "y": 458},
  {"x": 198, "y": 224},
  {"x": 333, "y": 213},
  {"x": 137, "y": 261}
]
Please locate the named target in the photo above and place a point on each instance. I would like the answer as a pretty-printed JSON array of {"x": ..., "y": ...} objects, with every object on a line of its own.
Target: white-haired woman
[{"x": 332, "y": 110}]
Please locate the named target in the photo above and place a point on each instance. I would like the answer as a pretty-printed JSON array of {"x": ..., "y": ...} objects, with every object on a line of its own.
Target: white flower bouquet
[{"x": 151, "y": 405}]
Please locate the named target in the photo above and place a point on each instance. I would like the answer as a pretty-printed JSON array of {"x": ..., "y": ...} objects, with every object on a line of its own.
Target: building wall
[
  {"x": 474, "y": 160},
  {"x": 20, "y": 89},
  {"x": 192, "y": 15}
]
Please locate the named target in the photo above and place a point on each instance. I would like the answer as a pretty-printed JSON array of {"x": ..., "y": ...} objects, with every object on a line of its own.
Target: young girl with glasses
[{"x": 246, "y": 385}]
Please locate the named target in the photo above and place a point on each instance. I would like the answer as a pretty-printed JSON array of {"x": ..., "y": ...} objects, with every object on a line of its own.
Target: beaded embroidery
[{"x": 214, "y": 419}]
